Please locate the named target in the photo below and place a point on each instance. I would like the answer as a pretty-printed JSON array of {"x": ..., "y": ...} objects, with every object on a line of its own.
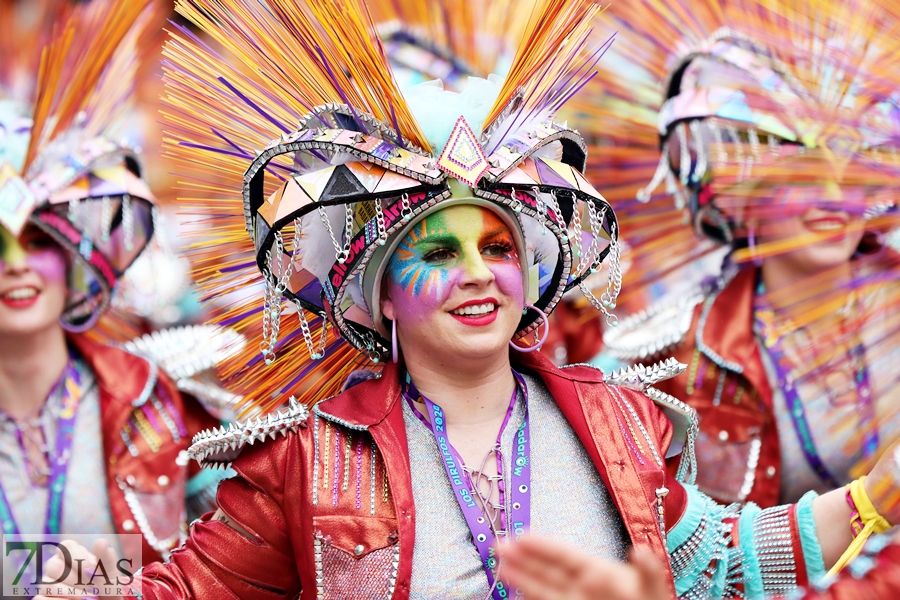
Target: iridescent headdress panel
[{"x": 356, "y": 161}]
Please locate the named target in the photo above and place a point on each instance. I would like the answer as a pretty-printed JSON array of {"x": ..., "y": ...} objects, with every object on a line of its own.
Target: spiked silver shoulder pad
[
  {"x": 639, "y": 377},
  {"x": 218, "y": 447},
  {"x": 685, "y": 424},
  {"x": 654, "y": 331},
  {"x": 685, "y": 428},
  {"x": 188, "y": 355}
]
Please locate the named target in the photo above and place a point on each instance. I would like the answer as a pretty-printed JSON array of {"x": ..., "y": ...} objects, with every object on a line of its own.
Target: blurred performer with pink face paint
[
  {"x": 93, "y": 438},
  {"x": 792, "y": 347}
]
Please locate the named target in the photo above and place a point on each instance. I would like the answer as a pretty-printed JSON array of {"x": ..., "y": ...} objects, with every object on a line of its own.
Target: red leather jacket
[
  {"x": 738, "y": 449},
  {"x": 145, "y": 476},
  {"x": 310, "y": 538},
  {"x": 738, "y": 454}
]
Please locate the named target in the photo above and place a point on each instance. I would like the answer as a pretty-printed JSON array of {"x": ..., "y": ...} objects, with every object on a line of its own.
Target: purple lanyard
[
  {"x": 795, "y": 405},
  {"x": 59, "y": 460},
  {"x": 519, "y": 517}
]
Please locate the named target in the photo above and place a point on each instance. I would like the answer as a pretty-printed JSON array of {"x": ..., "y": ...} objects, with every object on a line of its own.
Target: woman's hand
[
  {"x": 548, "y": 570},
  {"x": 883, "y": 485},
  {"x": 100, "y": 551}
]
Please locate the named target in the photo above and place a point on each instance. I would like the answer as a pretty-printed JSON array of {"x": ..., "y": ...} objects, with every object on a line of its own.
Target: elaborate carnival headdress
[
  {"x": 726, "y": 100},
  {"x": 355, "y": 163},
  {"x": 59, "y": 166}
]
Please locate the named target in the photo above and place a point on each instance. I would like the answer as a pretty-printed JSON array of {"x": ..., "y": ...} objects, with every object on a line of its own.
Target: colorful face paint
[
  {"x": 449, "y": 247},
  {"x": 36, "y": 249}
]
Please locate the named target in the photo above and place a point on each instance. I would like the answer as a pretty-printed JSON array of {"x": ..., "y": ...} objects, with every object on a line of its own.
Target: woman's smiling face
[
  {"x": 455, "y": 285},
  {"x": 33, "y": 284}
]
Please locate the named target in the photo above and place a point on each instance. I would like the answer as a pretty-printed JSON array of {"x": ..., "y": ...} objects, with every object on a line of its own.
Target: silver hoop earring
[{"x": 543, "y": 337}]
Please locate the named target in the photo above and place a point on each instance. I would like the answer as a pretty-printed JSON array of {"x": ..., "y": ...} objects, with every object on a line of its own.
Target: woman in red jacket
[
  {"x": 93, "y": 438},
  {"x": 438, "y": 251}
]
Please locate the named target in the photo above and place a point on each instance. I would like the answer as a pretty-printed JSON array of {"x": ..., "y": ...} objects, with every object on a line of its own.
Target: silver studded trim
[
  {"x": 337, "y": 420},
  {"x": 207, "y": 444},
  {"x": 395, "y": 567},
  {"x": 686, "y": 428},
  {"x": 588, "y": 365},
  {"x": 183, "y": 352},
  {"x": 315, "y": 486},
  {"x": 638, "y": 377},
  {"x": 149, "y": 385},
  {"x": 163, "y": 547},
  {"x": 775, "y": 550},
  {"x": 654, "y": 331},
  {"x": 640, "y": 424},
  {"x": 320, "y": 573}
]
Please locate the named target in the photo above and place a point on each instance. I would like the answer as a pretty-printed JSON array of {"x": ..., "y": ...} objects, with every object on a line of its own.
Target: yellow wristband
[{"x": 872, "y": 522}]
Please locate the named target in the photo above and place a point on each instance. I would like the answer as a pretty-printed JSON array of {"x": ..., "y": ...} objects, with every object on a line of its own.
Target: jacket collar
[
  {"x": 369, "y": 403},
  {"x": 124, "y": 378},
  {"x": 725, "y": 329}
]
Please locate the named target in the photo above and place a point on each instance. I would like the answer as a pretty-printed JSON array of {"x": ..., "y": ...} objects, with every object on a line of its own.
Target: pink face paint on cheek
[
  {"x": 509, "y": 279},
  {"x": 49, "y": 264},
  {"x": 427, "y": 297}
]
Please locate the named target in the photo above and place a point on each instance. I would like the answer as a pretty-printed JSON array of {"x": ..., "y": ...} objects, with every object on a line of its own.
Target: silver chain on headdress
[
  {"x": 128, "y": 222},
  {"x": 540, "y": 208},
  {"x": 273, "y": 294},
  {"x": 74, "y": 212},
  {"x": 662, "y": 171},
  {"x": 338, "y": 249},
  {"x": 700, "y": 169},
  {"x": 405, "y": 208},
  {"x": 596, "y": 223},
  {"x": 684, "y": 167},
  {"x": 576, "y": 228},
  {"x": 721, "y": 153},
  {"x": 105, "y": 217},
  {"x": 614, "y": 271},
  {"x": 379, "y": 221},
  {"x": 516, "y": 203},
  {"x": 314, "y": 353}
]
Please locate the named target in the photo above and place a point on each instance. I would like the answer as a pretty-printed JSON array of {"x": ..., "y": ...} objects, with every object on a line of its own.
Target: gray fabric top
[
  {"x": 836, "y": 428},
  {"x": 85, "y": 500},
  {"x": 569, "y": 501}
]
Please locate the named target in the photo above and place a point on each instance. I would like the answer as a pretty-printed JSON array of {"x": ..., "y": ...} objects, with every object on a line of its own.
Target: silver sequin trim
[{"x": 775, "y": 550}]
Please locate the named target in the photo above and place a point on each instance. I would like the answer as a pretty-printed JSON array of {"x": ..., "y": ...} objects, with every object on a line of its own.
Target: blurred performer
[
  {"x": 775, "y": 131},
  {"x": 74, "y": 214}
]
